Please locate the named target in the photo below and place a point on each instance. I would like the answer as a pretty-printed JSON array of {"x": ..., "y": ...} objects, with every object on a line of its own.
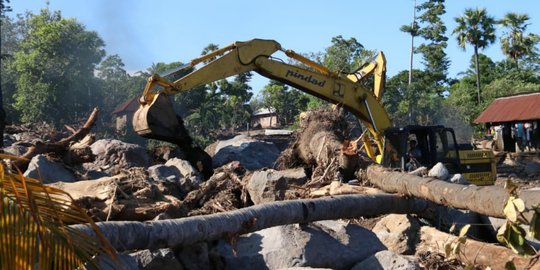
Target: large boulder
[
  {"x": 114, "y": 155},
  {"x": 177, "y": 172},
  {"x": 271, "y": 185},
  {"x": 532, "y": 168},
  {"x": 48, "y": 171},
  {"x": 322, "y": 244},
  {"x": 398, "y": 233},
  {"x": 161, "y": 259},
  {"x": 251, "y": 153},
  {"x": 386, "y": 260}
]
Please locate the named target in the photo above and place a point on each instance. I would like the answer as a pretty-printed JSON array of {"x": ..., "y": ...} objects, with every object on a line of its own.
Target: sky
[{"x": 143, "y": 32}]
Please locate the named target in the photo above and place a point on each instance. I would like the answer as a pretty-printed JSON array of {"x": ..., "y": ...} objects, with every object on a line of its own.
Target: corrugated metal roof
[
  {"x": 508, "y": 109},
  {"x": 130, "y": 105},
  {"x": 264, "y": 111}
]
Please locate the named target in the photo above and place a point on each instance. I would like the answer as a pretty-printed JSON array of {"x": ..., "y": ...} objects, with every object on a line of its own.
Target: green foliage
[
  {"x": 345, "y": 55},
  {"x": 432, "y": 29},
  {"x": 475, "y": 27},
  {"x": 417, "y": 103},
  {"x": 55, "y": 65},
  {"x": 511, "y": 233},
  {"x": 514, "y": 43},
  {"x": 288, "y": 103}
]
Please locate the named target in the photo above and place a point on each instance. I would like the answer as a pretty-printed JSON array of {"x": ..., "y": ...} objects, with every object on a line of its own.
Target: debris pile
[{"x": 118, "y": 181}]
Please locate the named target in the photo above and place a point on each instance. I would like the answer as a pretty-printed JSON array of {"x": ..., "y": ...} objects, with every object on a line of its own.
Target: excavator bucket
[{"x": 157, "y": 120}]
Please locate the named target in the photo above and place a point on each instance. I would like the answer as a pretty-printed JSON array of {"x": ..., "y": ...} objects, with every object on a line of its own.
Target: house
[
  {"x": 515, "y": 121},
  {"x": 264, "y": 118},
  {"x": 124, "y": 113}
]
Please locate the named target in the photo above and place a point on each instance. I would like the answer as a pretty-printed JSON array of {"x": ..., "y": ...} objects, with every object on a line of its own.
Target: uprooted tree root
[{"x": 320, "y": 145}]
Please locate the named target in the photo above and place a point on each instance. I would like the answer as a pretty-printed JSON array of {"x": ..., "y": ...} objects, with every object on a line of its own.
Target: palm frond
[{"x": 34, "y": 230}]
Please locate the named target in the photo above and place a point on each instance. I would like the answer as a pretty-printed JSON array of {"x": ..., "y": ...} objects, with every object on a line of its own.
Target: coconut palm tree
[
  {"x": 34, "y": 231},
  {"x": 514, "y": 43},
  {"x": 476, "y": 28}
]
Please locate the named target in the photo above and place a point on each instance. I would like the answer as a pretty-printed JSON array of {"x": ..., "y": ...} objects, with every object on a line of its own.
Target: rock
[
  {"x": 194, "y": 257},
  {"x": 439, "y": 171},
  {"x": 184, "y": 167},
  {"x": 458, "y": 179},
  {"x": 532, "y": 168},
  {"x": 386, "y": 260},
  {"x": 271, "y": 185},
  {"x": 252, "y": 154},
  {"x": 114, "y": 155},
  {"x": 420, "y": 171},
  {"x": 162, "y": 259},
  {"x": 398, "y": 233},
  {"x": 455, "y": 219},
  {"x": 162, "y": 172},
  {"x": 304, "y": 268},
  {"x": 48, "y": 171},
  {"x": 190, "y": 178},
  {"x": 324, "y": 244},
  {"x": 15, "y": 149},
  {"x": 125, "y": 262}
]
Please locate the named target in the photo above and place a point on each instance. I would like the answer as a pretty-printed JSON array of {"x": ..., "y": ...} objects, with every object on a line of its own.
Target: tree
[
  {"x": 344, "y": 55},
  {"x": 413, "y": 31},
  {"x": 401, "y": 97},
  {"x": 6, "y": 35},
  {"x": 114, "y": 82},
  {"x": 432, "y": 29},
  {"x": 130, "y": 235},
  {"x": 475, "y": 27},
  {"x": 285, "y": 101},
  {"x": 55, "y": 65},
  {"x": 514, "y": 43}
]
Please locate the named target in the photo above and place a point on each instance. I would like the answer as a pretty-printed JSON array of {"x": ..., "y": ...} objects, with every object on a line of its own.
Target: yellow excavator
[{"x": 156, "y": 118}]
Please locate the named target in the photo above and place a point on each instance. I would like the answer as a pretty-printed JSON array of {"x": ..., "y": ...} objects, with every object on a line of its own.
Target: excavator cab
[
  {"x": 437, "y": 144},
  {"x": 433, "y": 144}
]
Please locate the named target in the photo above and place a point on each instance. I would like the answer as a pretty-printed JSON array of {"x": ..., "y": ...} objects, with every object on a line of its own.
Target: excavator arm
[{"x": 156, "y": 119}]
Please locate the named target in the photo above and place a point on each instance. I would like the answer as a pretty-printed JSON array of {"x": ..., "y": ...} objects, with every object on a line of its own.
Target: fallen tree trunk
[
  {"x": 473, "y": 252},
  {"x": 126, "y": 235},
  {"x": 56, "y": 147},
  {"x": 487, "y": 200}
]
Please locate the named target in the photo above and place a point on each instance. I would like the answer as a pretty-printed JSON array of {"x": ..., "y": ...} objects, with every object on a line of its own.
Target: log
[
  {"x": 486, "y": 200},
  {"x": 130, "y": 235},
  {"x": 473, "y": 252},
  {"x": 56, "y": 147}
]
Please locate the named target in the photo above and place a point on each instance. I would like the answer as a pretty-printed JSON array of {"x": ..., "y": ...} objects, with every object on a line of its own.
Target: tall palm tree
[
  {"x": 475, "y": 27},
  {"x": 513, "y": 43}
]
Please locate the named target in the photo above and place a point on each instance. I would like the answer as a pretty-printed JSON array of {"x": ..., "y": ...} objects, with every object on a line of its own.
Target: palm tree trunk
[
  {"x": 473, "y": 251},
  {"x": 130, "y": 235},
  {"x": 477, "y": 67},
  {"x": 487, "y": 200}
]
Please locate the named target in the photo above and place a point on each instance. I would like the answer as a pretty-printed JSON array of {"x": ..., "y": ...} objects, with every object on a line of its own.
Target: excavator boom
[{"x": 156, "y": 119}]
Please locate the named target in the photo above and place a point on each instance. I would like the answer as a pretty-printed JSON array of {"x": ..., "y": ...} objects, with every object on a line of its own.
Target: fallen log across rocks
[
  {"x": 486, "y": 200},
  {"x": 125, "y": 235}
]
